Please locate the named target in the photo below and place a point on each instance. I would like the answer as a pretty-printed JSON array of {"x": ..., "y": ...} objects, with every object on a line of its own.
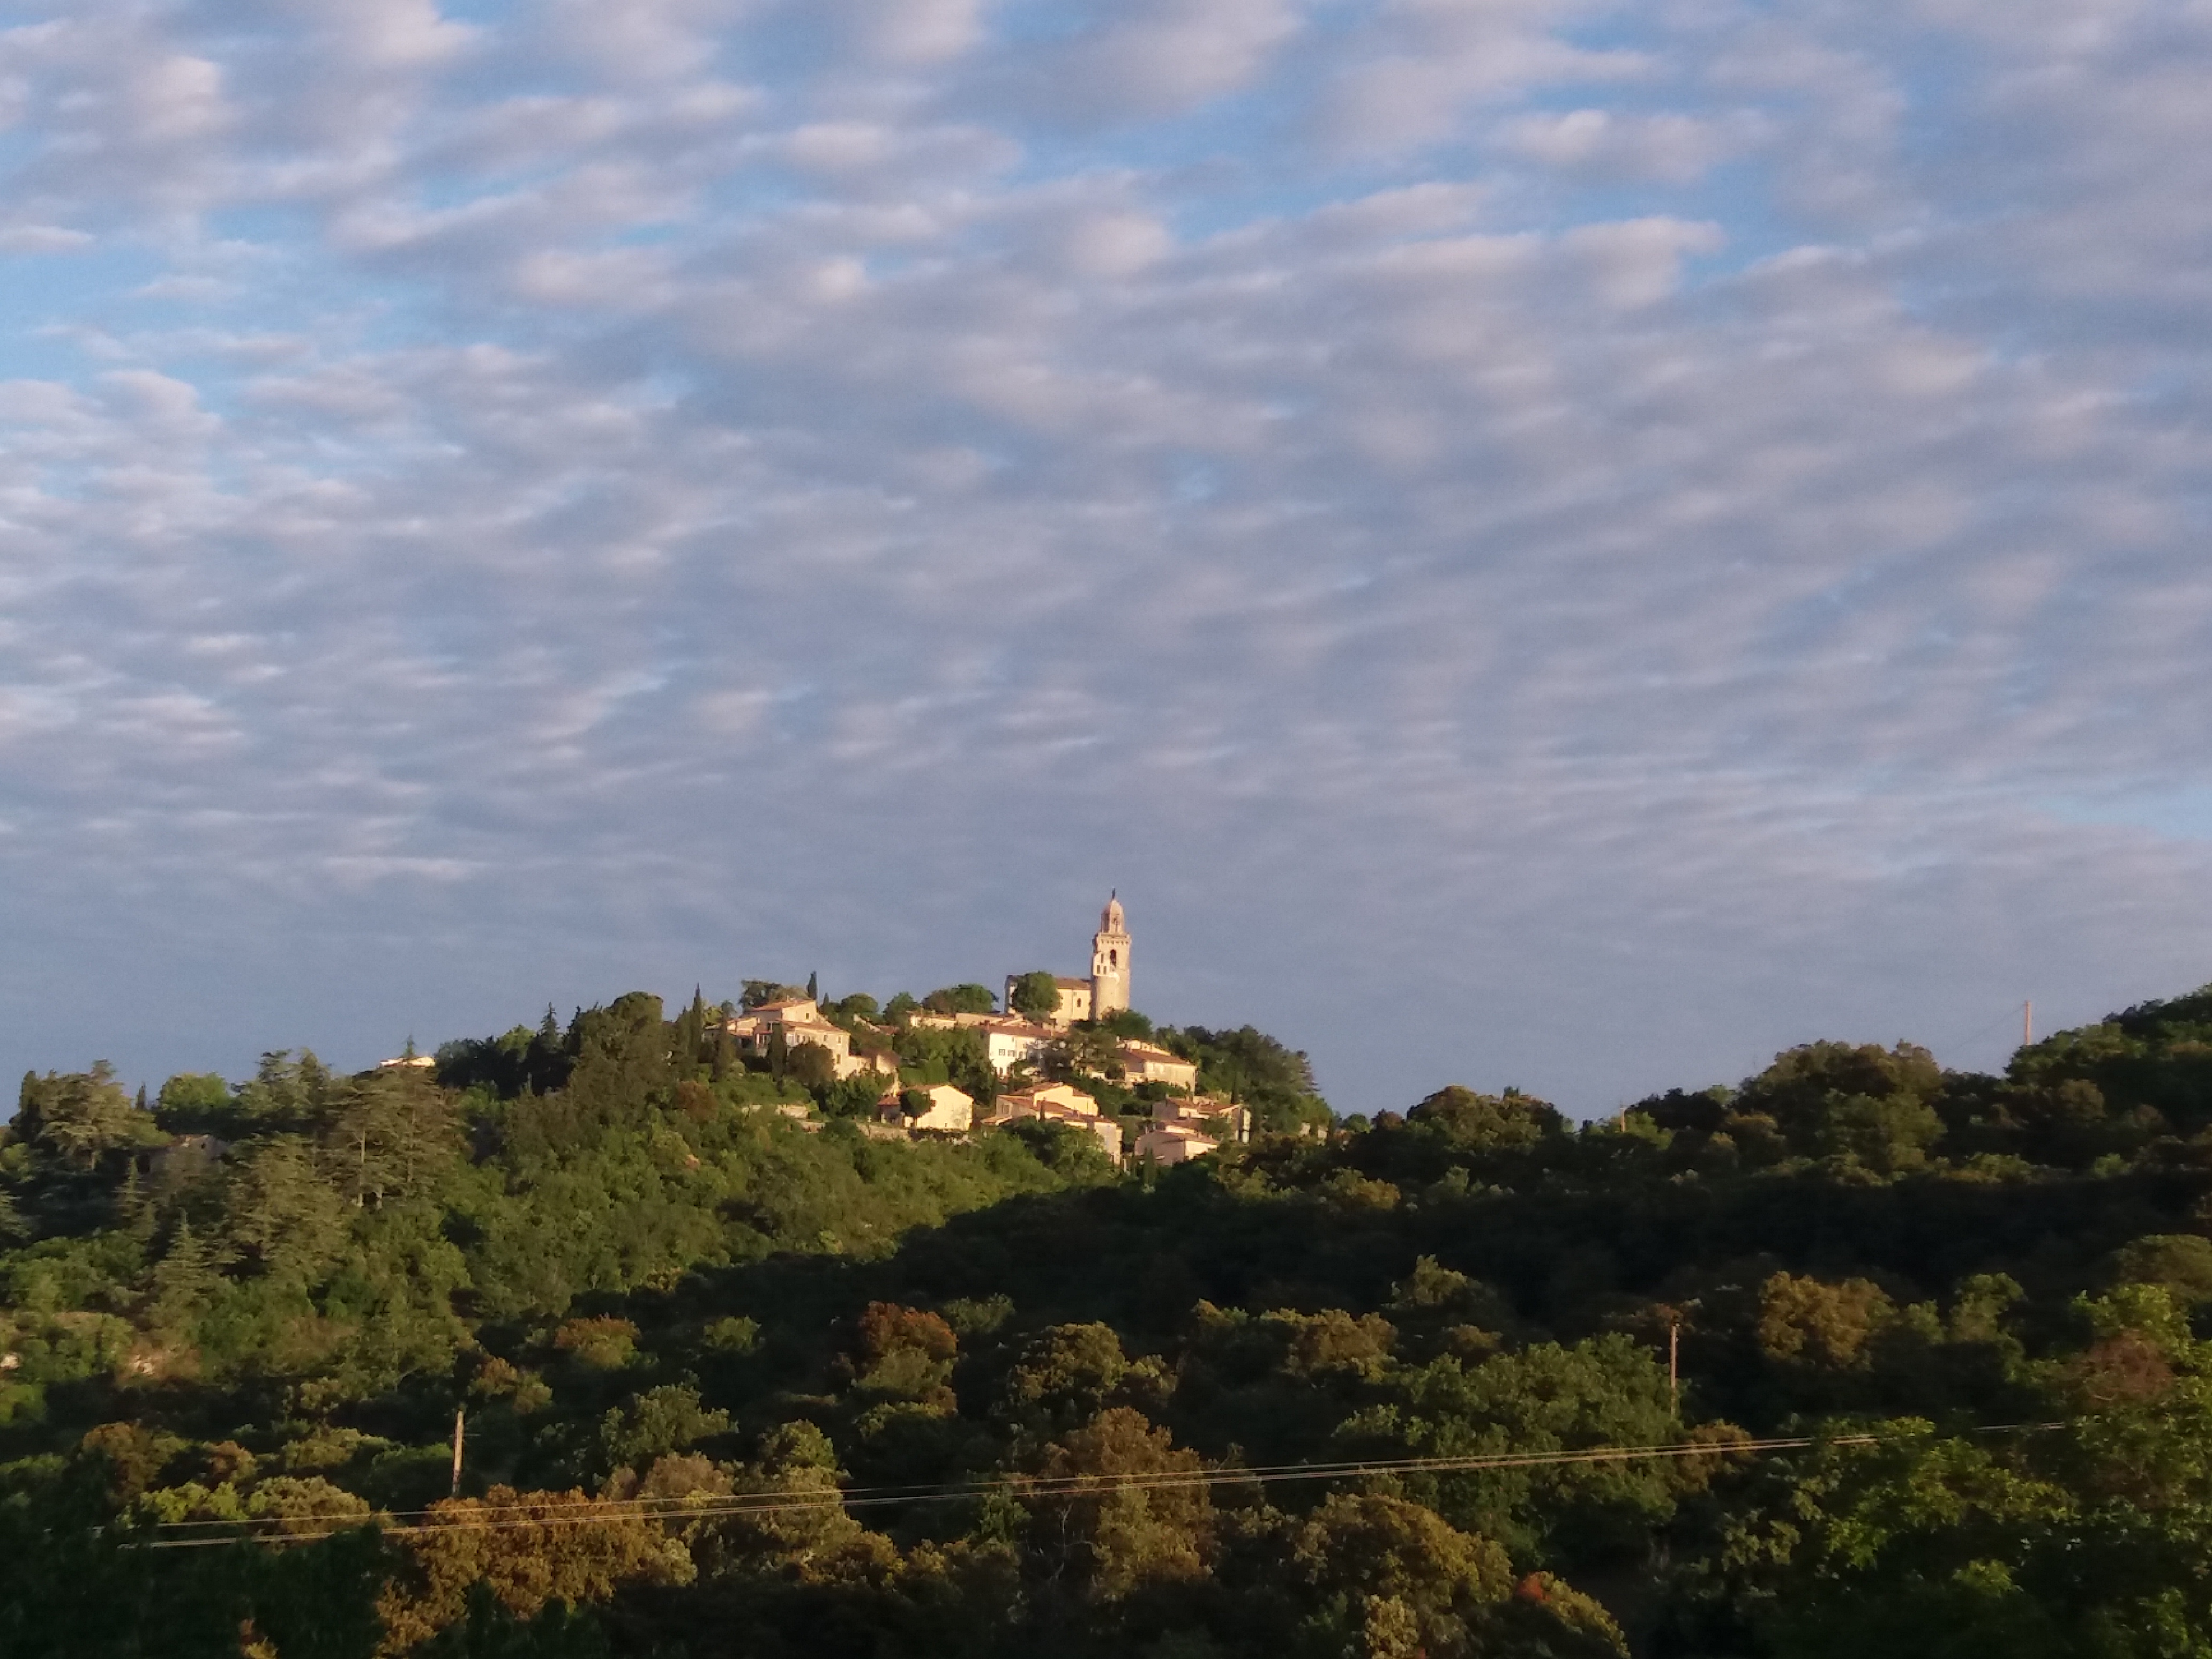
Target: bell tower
[{"x": 1109, "y": 961}]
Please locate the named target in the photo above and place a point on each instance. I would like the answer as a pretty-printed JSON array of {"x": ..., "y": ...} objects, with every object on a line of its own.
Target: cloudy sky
[{"x": 1541, "y": 542}]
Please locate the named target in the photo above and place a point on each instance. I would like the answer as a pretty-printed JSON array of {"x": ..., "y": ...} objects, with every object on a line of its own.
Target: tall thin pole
[
  {"x": 1674, "y": 1367},
  {"x": 2028, "y": 1023},
  {"x": 457, "y": 1451}
]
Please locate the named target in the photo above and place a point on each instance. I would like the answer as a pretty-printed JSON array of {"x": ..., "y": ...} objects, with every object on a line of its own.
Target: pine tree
[
  {"x": 132, "y": 1212},
  {"x": 82, "y": 1115},
  {"x": 688, "y": 1046},
  {"x": 280, "y": 1213},
  {"x": 548, "y": 1063},
  {"x": 183, "y": 1278}
]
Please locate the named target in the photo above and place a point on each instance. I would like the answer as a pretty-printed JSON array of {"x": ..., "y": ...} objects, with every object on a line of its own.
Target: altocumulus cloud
[{"x": 1550, "y": 542}]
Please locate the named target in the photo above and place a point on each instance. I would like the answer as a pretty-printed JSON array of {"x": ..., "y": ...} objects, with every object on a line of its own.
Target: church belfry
[{"x": 1109, "y": 961}]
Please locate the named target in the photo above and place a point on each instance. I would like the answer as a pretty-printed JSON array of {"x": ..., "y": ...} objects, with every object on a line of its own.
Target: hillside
[{"x": 1057, "y": 1396}]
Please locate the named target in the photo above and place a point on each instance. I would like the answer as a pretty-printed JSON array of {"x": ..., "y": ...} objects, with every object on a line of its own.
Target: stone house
[
  {"x": 1074, "y": 1000},
  {"x": 1009, "y": 1042},
  {"x": 1059, "y": 1102},
  {"x": 1173, "y": 1143},
  {"x": 951, "y": 1111},
  {"x": 1147, "y": 1062},
  {"x": 923, "y": 1019},
  {"x": 186, "y": 1153},
  {"x": 1209, "y": 1116},
  {"x": 799, "y": 1019},
  {"x": 1064, "y": 1097}
]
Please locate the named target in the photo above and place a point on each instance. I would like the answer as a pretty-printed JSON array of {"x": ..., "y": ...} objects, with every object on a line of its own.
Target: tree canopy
[
  {"x": 961, "y": 999},
  {"x": 1034, "y": 996},
  {"x": 1919, "y": 1361}
]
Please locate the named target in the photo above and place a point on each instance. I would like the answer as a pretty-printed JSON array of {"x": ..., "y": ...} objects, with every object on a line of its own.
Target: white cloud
[
  {"x": 913, "y": 32},
  {"x": 641, "y": 43},
  {"x": 1116, "y": 244},
  {"x": 1169, "y": 54},
  {"x": 1671, "y": 147},
  {"x": 1147, "y": 58},
  {"x": 1409, "y": 77},
  {"x": 558, "y": 468},
  {"x": 396, "y": 34},
  {"x": 1638, "y": 262},
  {"x": 42, "y": 238}
]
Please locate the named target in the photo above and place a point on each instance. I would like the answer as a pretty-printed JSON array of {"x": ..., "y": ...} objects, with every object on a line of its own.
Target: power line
[
  {"x": 853, "y": 1497},
  {"x": 612, "y": 1511},
  {"x": 2016, "y": 1011}
]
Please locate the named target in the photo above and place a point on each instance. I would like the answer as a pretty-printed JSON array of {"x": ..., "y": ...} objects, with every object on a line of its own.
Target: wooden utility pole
[
  {"x": 1674, "y": 1367},
  {"x": 2028, "y": 1023},
  {"x": 457, "y": 1451}
]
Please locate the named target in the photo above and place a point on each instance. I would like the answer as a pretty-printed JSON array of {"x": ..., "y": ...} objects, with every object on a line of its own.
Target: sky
[{"x": 1548, "y": 542}]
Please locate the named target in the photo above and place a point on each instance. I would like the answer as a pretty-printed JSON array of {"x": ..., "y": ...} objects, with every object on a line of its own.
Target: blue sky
[{"x": 1543, "y": 542}]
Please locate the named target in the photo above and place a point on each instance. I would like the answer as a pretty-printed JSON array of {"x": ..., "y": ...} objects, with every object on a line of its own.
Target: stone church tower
[{"x": 1109, "y": 963}]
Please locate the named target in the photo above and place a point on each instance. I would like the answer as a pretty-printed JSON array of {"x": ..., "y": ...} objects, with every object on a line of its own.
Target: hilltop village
[
  {"x": 958, "y": 1062},
  {"x": 578, "y": 1342}
]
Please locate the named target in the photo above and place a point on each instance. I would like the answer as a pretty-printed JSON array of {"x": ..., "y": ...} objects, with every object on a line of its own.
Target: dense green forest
[{"x": 737, "y": 1376}]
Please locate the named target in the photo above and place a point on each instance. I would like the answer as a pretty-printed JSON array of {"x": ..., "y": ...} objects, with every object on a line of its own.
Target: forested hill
[{"x": 737, "y": 1378}]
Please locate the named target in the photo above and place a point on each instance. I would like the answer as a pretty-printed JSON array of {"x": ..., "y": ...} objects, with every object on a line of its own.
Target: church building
[
  {"x": 1107, "y": 990},
  {"x": 1109, "y": 961}
]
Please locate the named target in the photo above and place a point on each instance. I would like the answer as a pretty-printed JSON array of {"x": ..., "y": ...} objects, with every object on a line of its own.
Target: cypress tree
[{"x": 182, "y": 1278}]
